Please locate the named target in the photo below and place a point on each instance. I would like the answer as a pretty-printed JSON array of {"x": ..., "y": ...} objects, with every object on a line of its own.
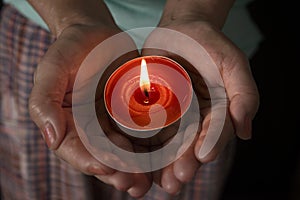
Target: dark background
[{"x": 268, "y": 166}]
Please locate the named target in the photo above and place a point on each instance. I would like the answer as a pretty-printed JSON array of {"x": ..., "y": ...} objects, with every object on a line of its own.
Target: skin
[
  {"x": 72, "y": 21},
  {"x": 50, "y": 101},
  {"x": 203, "y": 21}
]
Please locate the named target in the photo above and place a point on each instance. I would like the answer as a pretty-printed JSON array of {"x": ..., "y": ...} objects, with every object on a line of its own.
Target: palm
[
  {"x": 210, "y": 85},
  {"x": 55, "y": 77}
]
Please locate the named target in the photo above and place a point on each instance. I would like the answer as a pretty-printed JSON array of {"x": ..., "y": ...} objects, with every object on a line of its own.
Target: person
[{"x": 42, "y": 46}]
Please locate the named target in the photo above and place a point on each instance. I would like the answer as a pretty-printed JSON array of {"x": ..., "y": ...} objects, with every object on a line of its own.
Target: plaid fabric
[{"x": 28, "y": 170}]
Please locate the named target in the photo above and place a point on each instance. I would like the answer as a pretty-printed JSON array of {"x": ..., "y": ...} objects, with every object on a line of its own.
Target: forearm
[
  {"x": 213, "y": 11},
  {"x": 59, "y": 14}
]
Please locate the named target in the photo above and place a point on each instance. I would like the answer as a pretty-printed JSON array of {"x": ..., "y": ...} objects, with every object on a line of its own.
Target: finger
[
  {"x": 217, "y": 131},
  {"x": 243, "y": 94},
  {"x": 136, "y": 184},
  {"x": 73, "y": 152},
  {"x": 120, "y": 180},
  {"x": 166, "y": 177},
  {"x": 56, "y": 72},
  {"x": 231, "y": 62},
  {"x": 142, "y": 184},
  {"x": 45, "y": 103},
  {"x": 184, "y": 172},
  {"x": 169, "y": 181},
  {"x": 52, "y": 82}
]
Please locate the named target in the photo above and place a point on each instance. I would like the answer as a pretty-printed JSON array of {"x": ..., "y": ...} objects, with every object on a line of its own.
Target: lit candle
[{"x": 148, "y": 93}]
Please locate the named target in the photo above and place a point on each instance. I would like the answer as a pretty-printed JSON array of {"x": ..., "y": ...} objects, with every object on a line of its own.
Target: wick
[
  {"x": 146, "y": 93},
  {"x": 147, "y": 96}
]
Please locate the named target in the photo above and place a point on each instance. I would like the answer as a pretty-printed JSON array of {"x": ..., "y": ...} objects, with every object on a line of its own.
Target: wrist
[
  {"x": 60, "y": 24},
  {"x": 213, "y": 12},
  {"x": 60, "y": 14}
]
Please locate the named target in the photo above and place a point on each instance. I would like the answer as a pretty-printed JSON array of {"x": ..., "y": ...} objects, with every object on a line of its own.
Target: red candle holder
[{"x": 152, "y": 103}]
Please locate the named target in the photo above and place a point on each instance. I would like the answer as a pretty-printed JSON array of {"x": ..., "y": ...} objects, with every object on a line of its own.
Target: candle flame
[{"x": 144, "y": 78}]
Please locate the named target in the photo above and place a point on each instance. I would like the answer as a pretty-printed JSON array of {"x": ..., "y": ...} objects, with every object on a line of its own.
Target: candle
[{"x": 148, "y": 93}]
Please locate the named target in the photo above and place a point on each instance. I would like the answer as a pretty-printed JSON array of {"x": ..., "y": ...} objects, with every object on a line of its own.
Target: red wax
[
  {"x": 140, "y": 105},
  {"x": 167, "y": 100},
  {"x": 148, "y": 99}
]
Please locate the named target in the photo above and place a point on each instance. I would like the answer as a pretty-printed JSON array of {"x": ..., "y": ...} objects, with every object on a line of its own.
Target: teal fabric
[
  {"x": 139, "y": 13},
  {"x": 25, "y": 8},
  {"x": 240, "y": 28},
  {"x": 130, "y": 14}
]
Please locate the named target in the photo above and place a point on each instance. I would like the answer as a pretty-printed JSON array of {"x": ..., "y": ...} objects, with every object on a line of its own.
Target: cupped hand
[
  {"x": 233, "y": 111},
  {"x": 50, "y": 102}
]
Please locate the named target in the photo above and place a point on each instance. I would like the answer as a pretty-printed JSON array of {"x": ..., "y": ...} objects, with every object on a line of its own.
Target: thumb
[
  {"x": 243, "y": 96},
  {"x": 45, "y": 102}
]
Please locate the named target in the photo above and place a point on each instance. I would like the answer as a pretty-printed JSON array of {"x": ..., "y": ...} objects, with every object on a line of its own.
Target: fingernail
[{"x": 49, "y": 135}]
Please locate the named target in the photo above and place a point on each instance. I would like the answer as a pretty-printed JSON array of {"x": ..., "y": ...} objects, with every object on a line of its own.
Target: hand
[
  {"x": 238, "y": 83},
  {"x": 51, "y": 100}
]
